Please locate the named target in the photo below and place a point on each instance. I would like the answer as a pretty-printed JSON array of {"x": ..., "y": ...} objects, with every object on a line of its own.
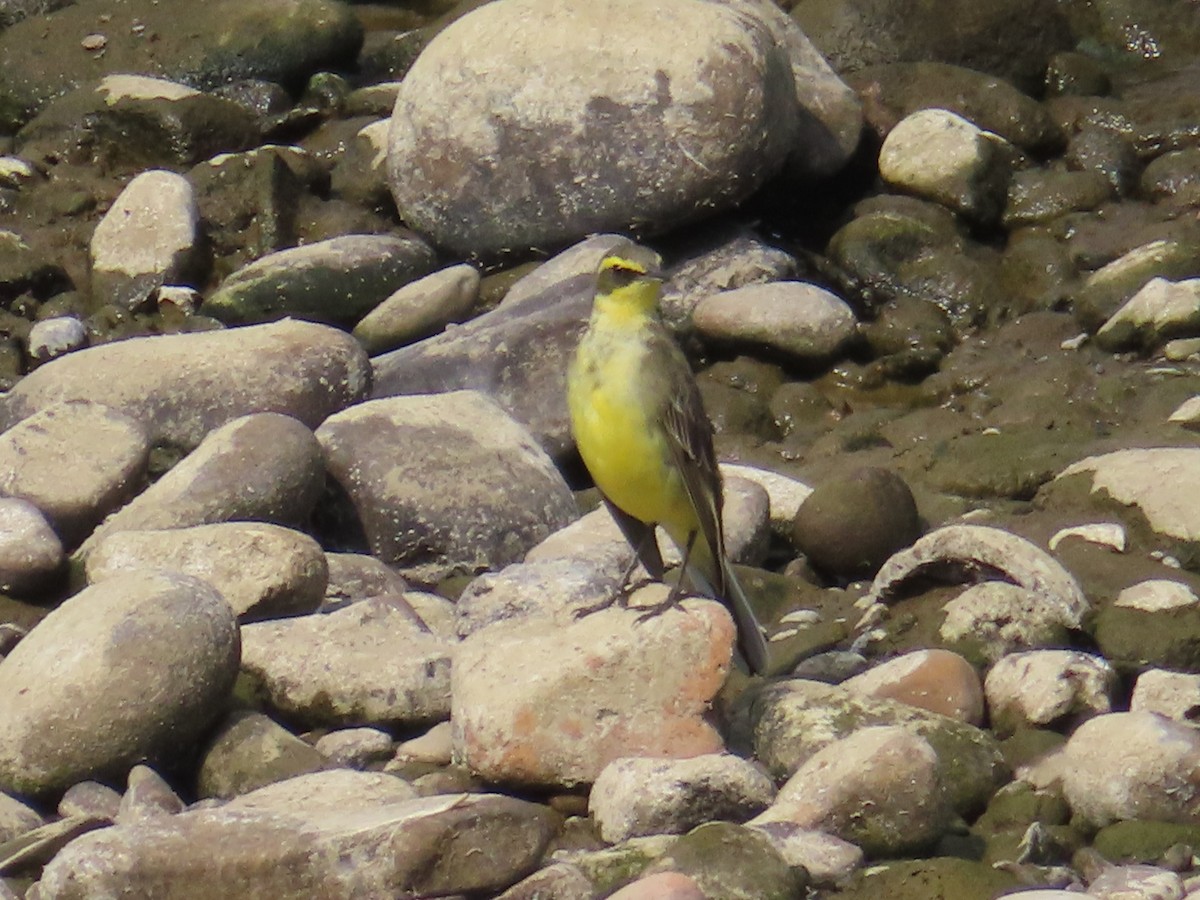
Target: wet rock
[
  {"x": 181, "y": 387},
  {"x": 359, "y": 841},
  {"x": 718, "y": 146},
  {"x": 1038, "y": 196},
  {"x": 263, "y": 571},
  {"x": 250, "y": 201},
  {"x": 1153, "y": 622},
  {"x": 264, "y": 467},
  {"x": 149, "y": 237},
  {"x": 1105, "y": 153},
  {"x": 942, "y": 157},
  {"x": 338, "y": 280},
  {"x": 31, "y": 555},
  {"x": 1108, "y": 289},
  {"x": 652, "y": 681},
  {"x": 359, "y": 173},
  {"x": 147, "y": 797},
  {"x": 936, "y": 680},
  {"x": 276, "y": 41},
  {"x": 517, "y": 353},
  {"x": 1155, "y": 480},
  {"x": 1011, "y": 41},
  {"x": 23, "y": 268},
  {"x": 637, "y": 796},
  {"x": 1159, "y": 311},
  {"x": 986, "y": 550},
  {"x": 828, "y": 860},
  {"x": 53, "y": 337},
  {"x": 131, "y": 669},
  {"x": 887, "y": 771},
  {"x": 795, "y": 720},
  {"x": 1174, "y": 177},
  {"x": 1175, "y": 695},
  {"x": 995, "y": 618},
  {"x": 849, "y": 526},
  {"x": 355, "y": 748},
  {"x": 249, "y": 751},
  {"x": 1134, "y": 765},
  {"x": 444, "y": 483},
  {"x": 419, "y": 309},
  {"x": 909, "y": 339},
  {"x": 897, "y": 90},
  {"x": 374, "y": 662},
  {"x": 1054, "y": 688},
  {"x": 128, "y": 120},
  {"x": 806, "y": 324}
]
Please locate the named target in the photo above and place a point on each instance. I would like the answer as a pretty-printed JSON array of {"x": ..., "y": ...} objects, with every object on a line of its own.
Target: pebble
[
  {"x": 1048, "y": 688},
  {"x": 56, "y": 336},
  {"x": 355, "y": 748},
  {"x": 31, "y": 555},
  {"x": 637, "y": 796},
  {"x": 937, "y": 680},
  {"x": 420, "y": 309}
]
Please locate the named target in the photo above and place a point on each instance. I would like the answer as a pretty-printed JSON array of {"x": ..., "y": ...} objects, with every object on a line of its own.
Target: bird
[{"x": 641, "y": 430}]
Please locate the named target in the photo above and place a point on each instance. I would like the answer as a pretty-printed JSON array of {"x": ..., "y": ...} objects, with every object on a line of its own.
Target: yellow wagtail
[{"x": 640, "y": 426}]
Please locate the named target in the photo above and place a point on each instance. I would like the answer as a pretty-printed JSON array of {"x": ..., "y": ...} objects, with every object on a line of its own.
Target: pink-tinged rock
[
  {"x": 661, "y": 886},
  {"x": 538, "y": 702},
  {"x": 937, "y": 680}
]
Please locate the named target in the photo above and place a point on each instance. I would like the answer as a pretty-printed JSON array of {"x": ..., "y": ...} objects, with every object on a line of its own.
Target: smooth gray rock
[
  {"x": 76, "y": 461},
  {"x": 356, "y": 748},
  {"x": 263, "y": 571},
  {"x": 419, "y": 309},
  {"x": 264, "y": 467},
  {"x": 31, "y": 554},
  {"x": 337, "y": 280},
  {"x": 655, "y": 135},
  {"x": 372, "y": 663},
  {"x": 16, "y": 818},
  {"x": 147, "y": 797},
  {"x": 132, "y": 669},
  {"x": 181, "y": 387},
  {"x": 279, "y": 843},
  {"x": 444, "y": 483},
  {"x": 148, "y": 237},
  {"x": 249, "y": 751}
]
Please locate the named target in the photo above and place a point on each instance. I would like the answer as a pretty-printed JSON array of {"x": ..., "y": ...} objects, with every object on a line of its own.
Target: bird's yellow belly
[{"x": 625, "y": 453}]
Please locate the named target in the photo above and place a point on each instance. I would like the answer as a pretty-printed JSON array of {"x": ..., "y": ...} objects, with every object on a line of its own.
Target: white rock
[
  {"x": 1159, "y": 310},
  {"x": 996, "y": 618},
  {"x": 1163, "y": 482},
  {"x": 1040, "y": 687},
  {"x": 1107, "y": 534},
  {"x": 805, "y": 322},
  {"x": 1175, "y": 695},
  {"x": 941, "y": 156},
  {"x": 638, "y": 796},
  {"x": 53, "y": 337},
  {"x": 1156, "y": 595},
  {"x": 148, "y": 238},
  {"x": 1134, "y": 765}
]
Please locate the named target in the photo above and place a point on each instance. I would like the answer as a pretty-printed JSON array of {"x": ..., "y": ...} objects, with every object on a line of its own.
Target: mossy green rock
[
  {"x": 1137, "y": 841},
  {"x": 1166, "y": 638},
  {"x": 942, "y": 878},
  {"x": 734, "y": 862}
]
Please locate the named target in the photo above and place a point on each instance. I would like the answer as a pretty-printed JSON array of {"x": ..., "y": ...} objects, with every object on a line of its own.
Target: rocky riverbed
[{"x": 293, "y": 536}]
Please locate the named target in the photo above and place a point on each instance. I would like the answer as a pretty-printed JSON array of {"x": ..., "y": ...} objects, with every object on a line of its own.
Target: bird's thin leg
[
  {"x": 624, "y": 587},
  {"x": 677, "y": 590}
]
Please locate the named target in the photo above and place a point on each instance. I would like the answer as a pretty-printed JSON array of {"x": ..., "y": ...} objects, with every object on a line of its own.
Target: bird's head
[{"x": 628, "y": 283}]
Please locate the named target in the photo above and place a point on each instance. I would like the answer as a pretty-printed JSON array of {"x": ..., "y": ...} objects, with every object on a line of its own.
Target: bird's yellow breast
[{"x": 611, "y": 405}]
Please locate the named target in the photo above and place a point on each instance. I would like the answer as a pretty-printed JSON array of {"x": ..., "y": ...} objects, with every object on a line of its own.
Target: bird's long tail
[{"x": 751, "y": 641}]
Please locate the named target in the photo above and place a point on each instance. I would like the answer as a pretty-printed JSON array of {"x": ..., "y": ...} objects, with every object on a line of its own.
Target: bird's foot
[
  {"x": 650, "y": 612},
  {"x": 619, "y": 598}
]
